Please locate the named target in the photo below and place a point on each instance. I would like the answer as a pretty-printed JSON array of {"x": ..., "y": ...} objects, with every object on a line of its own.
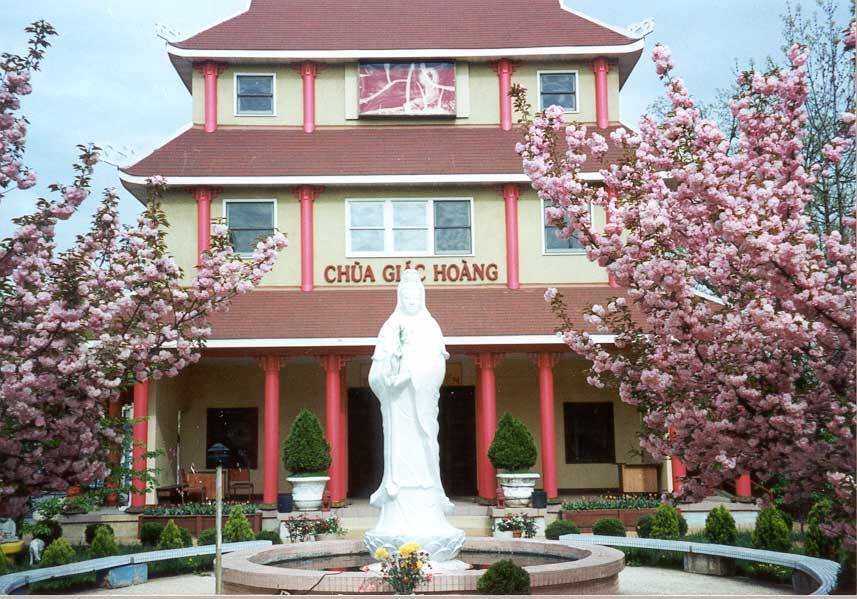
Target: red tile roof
[
  {"x": 351, "y": 312},
  {"x": 377, "y": 150},
  {"x": 401, "y": 25}
]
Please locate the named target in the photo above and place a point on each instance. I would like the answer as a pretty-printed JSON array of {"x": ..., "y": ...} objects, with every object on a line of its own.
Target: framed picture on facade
[
  {"x": 407, "y": 88},
  {"x": 237, "y": 429}
]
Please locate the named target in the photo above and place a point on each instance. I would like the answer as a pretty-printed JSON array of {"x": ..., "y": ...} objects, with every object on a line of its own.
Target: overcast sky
[{"x": 107, "y": 78}]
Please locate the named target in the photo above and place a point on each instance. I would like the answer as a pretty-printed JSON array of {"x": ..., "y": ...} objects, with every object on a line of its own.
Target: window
[
  {"x": 558, "y": 88},
  {"x": 552, "y": 243},
  {"x": 421, "y": 227},
  {"x": 589, "y": 435},
  {"x": 254, "y": 95},
  {"x": 248, "y": 221},
  {"x": 237, "y": 429}
]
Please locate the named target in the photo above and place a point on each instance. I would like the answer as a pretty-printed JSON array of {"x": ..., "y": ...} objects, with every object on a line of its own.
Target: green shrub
[
  {"x": 89, "y": 531},
  {"x": 771, "y": 531},
  {"x": 720, "y": 527},
  {"x": 171, "y": 537},
  {"x": 58, "y": 553},
  {"x": 187, "y": 538},
  {"x": 665, "y": 524},
  {"x": 237, "y": 528},
  {"x": 560, "y": 527},
  {"x": 46, "y": 530},
  {"x": 207, "y": 537},
  {"x": 682, "y": 525},
  {"x": 816, "y": 542},
  {"x": 269, "y": 535},
  {"x": 181, "y": 565},
  {"x": 644, "y": 526},
  {"x": 103, "y": 545},
  {"x": 306, "y": 450},
  {"x": 150, "y": 533},
  {"x": 610, "y": 527},
  {"x": 5, "y": 566},
  {"x": 504, "y": 578},
  {"x": 513, "y": 447}
]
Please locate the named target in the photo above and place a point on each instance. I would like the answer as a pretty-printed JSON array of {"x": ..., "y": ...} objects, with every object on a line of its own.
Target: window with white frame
[
  {"x": 558, "y": 88},
  {"x": 249, "y": 221},
  {"x": 254, "y": 95},
  {"x": 411, "y": 227},
  {"x": 552, "y": 243}
]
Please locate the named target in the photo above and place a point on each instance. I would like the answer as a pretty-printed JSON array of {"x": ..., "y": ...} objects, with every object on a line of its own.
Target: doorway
[{"x": 457, "y": 440}]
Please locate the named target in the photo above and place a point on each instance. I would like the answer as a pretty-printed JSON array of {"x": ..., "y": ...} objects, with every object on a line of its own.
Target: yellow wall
[
  {"x": 536, "y": 268},
  {"x": 331, "y": 82},
  {"x": 239, "y": 382}
]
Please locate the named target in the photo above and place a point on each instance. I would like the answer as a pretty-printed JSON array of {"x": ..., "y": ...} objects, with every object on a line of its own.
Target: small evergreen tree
[
  {"x": 237, "y": 527},
  {"x": 150, "y": 533},
  {"x": 5, "y": 566},
  {"x": 207, "y": 537},
  {"x": 771, "y": 531},
  {"x": 171, "y": 537},
  {"x": 816, "y": 542},
  {"x": 504, "y": 578},
  {"x": 306, "y": 449},
  {"x": 644, "y": 526},
  {"x": 513, "y": 447},
  {"x": 104, "y": 544},
  {"x": 720, "y": 527},
  {"x": 665, "y": 523},
  {"x": 58, "y": 553},
  {"x": 269, "y": 535},
  {"x": 89, "y": 531}
]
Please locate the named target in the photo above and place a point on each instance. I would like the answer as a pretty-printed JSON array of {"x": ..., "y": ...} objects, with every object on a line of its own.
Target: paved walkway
[{"x": 632, "y": 581}]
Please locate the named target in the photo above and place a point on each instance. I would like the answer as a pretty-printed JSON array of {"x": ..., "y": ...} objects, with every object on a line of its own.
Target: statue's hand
[{"x": 398, "y": 380}]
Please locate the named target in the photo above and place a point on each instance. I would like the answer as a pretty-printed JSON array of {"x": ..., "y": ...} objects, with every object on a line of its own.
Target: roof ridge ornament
[
  {"x": 120, "y": 156},
  {"x": 167, "y": 33},
  {"x": 642, "y": 28}
]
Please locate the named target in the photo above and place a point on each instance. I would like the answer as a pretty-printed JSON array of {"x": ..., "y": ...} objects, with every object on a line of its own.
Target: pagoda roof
[
  {"x": 351, "y": 317},
  {"x": 347, "y": 30},
  {"x": 354, "y": 155}
]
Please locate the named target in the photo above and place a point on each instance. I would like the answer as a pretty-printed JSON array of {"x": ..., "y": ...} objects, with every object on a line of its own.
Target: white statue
[
  {"x": 8, "y": 530},
  {"x": 408, "y": 368},
  {"x": 37, "y": 546}
]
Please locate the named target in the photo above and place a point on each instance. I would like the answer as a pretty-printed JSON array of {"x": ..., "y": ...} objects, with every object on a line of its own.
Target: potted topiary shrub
[
  {"x": 514, "y": 450},
  {"x": 307, "y": 456}
]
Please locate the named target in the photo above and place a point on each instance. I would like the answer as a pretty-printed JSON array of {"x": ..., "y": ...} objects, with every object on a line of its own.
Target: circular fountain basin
[{"x": 334, "y": 567}]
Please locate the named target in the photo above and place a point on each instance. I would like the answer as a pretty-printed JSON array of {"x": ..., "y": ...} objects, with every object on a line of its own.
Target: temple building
[{"x": 378, "y": 136}]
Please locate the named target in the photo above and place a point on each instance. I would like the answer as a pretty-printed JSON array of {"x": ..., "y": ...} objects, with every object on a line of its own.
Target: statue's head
[{"x": 411, "y": 293}]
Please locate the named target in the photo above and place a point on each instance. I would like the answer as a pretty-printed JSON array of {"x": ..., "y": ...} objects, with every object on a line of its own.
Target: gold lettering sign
[{"x": 451, "y": 272}]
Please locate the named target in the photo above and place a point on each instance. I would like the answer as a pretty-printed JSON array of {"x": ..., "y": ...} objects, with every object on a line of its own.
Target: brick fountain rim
[{"x": 591, "y": 569}]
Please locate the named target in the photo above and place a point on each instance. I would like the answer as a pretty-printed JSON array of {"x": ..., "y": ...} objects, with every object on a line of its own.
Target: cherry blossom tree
[
  {"x": 734, "y": 330},
  {"x": 77, "y": 326}
]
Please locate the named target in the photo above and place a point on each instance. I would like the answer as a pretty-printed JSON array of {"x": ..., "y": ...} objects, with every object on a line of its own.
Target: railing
[
  {"x": 824, "y": 572},
  {"x": 11, "y": 582}
]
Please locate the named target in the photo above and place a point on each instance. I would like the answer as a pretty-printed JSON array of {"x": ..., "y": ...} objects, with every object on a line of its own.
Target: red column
[
  {"x": 333, "y": 415},
  {"x": 504, "y": 72},
  {"x": 743, "y": 486},
  {"x": 546, "y": 362},
  {"x": 487, "y": 425},
  {"x": 601, "y": 67},
  {"x": 308, "y": 72},
  {"x": 611, "y": 280},
  {"x": 306, "y": 195},
  {"x": 210, "y": 72},
  {"x": 343, "y": 430},
  {"x": 141, "y": 440},
  {"x": 271, "y": 465},
  {"x": 202, "y": 195},
  {"x": 679, "y": 470},
  {"x": 510, "y": 196}
]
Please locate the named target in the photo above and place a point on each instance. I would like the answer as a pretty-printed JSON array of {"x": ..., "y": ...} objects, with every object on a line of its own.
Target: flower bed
[
  {"x": 196, "y": 517},
  {"x": 626, "y": 508}
]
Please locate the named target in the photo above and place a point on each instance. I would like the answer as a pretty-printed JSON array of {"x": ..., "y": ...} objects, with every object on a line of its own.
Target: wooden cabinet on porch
[{"x": 639, "y": 478}]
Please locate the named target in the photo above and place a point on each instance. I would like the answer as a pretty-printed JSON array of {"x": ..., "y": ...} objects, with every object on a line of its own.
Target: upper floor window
[
  {"x": 249, "y": 221},
  {"x": 254, "y": 95},
  {"x": 552, "y": 243},
  {"x": 589, "y": 436},
  {"x": 558, "y": 88},
  {"x": 419, "y": 227}
]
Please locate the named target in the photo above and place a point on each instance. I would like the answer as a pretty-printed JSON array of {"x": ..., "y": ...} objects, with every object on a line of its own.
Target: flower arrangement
[
  {"x": 523, "y": 524},
  {"x": 405, "y": 569},
  {"x": 300, "y": 528},
  {"x": 330, "y": 525},
  {"x": 613, "y": 502}
]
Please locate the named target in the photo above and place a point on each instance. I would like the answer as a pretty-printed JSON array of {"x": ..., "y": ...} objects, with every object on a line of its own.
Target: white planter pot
[
  {"x": 326, "y": 536},
  {"x": 518, "y": 488},
  {"x": 307, "y": 491},
  {"x": 502, "y": 534}
]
